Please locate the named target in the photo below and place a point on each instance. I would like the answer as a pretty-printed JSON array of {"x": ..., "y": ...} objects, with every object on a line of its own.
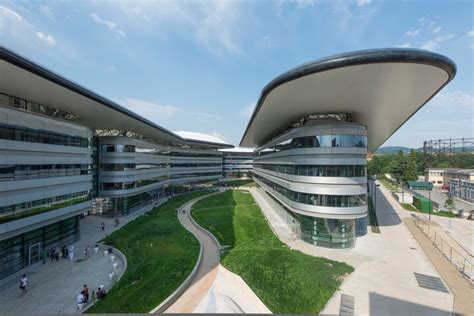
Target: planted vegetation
[
  {"x": 160, "y": 255},
  {"x": 287, "y": 281}
]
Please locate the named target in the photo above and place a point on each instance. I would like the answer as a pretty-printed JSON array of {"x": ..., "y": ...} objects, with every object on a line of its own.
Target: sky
[{"x": 201, "y": 65}]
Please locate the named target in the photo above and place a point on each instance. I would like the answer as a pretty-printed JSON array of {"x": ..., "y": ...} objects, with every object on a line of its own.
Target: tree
[
  {"x": 409, "y": 170},
  {"x": 449, "y": 204},
  {"x": 398, "y": 167},
  {"x": 238, "y": 174}
]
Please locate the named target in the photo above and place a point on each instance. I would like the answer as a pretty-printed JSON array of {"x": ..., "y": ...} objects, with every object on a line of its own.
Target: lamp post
[{"x": 429, "y": 199}]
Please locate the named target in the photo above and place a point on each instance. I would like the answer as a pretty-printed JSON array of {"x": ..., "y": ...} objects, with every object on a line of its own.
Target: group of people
[
  {"x": 56, "y": 253},
  {"x": 83, "y": 297}
]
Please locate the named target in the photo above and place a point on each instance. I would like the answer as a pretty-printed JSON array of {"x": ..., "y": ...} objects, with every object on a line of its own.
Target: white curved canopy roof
[
  {"x": 195, "y": 136},
  {"x": 381, "y": 89},
  {"x": 22, "y": 78}
]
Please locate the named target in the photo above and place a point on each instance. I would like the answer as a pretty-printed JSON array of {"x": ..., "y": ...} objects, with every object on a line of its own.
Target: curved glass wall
[
  {"x": 317, "y": 170},
  {"x": 132, "y": 184},
  {"x": 189, "y": 175},
  {"x": 131, "y": 166},
  {"x": 318, "y": 141},
  {"x": 329, "y": 233},
  {"x": 121, "y": 206},
  {"x": 317, "y": 199}
]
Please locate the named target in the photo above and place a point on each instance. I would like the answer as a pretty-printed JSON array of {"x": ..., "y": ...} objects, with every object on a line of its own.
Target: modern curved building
[
  {"x": 65, "y": 151},
  {"x": 314, "y": 125},
  {"x": 237, "y": 161}
]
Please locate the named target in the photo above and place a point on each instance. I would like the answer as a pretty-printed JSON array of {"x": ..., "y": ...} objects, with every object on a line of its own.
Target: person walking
[
  {"x": 102, "y": 225},
  {"x": 23, "y": 285},
  {"x": 51, "y": 253},
  {"x": 86, "y": 254},
  {"x": 85, "y": 292},
  {"x": 71, "y": 253}
]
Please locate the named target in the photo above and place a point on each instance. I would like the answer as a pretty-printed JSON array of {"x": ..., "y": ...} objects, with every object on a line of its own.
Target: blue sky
[{"x": 200, "y": 66}]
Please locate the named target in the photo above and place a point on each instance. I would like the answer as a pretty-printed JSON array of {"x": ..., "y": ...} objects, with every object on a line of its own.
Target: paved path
[
  {"x": 464, "y": 293},
  {"x": 54, "y": 286},
  {"x": 383, "y": 282},
  {"x": 207, "y": 270}
]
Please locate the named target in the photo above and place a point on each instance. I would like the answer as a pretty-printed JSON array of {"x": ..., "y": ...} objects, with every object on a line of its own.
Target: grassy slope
[
  {"x": 160, "y": 255},
  {"x": 240, "y": 183},
  {"x": 287, "y": 281}
]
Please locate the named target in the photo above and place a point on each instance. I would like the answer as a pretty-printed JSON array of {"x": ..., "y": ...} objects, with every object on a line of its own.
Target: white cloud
[
  {"x": 301, "y": 4},
  {"x": 472, "y": 46},
  {"x": 152, "y": 111},
  {"x": 404, "y": 45},
  {"x": 470, "y": 33},
  {"x": 47, "y": 39},
  {"x": 361, "y": 3},
  {"x": 436, "y": 43},
  {"x": 247, "y": 110},
  {"x": 112, "y": 26},
  {"x": 10, "y": 14},
  {"x": 437, "y": 29},
  {"x": 457, "y": 100},
  {"x": 413, "y": 33}
]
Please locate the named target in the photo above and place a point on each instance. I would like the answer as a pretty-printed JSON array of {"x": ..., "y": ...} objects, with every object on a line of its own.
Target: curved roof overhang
[
  {"x": 22, "y": 78},
  {"x": 380, "y": 88}
]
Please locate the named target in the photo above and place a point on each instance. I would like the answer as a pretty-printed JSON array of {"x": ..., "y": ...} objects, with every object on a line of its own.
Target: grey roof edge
[
  {"x": 30, "y": 66},
  {"x": 361, "y": 57}
]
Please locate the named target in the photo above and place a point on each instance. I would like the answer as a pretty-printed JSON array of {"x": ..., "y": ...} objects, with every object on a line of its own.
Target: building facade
[
  {"x": 65, "y": 152},
  {"x": 461, "y": 183},
  {"x": 315, "y": 125},
  {"x": 237, "y": 161},
  {"x": 435, "y": 176},
  {"x": 313, "y": 170}
]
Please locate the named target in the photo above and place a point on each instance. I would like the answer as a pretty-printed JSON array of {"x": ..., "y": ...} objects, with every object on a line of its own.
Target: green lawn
[
  {"x": 412, "y": 208},
  {"x": 287, "y": 281},
  {"x": 160, "y": 255},
  {"x": 408, "y": 207}
]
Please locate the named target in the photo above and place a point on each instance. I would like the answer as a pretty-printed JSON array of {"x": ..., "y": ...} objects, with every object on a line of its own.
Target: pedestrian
[
  {"x": 102, "y": 225},
  {"x": 56, "y": 254},
  {"x": 71, "y": 253},
  {"x": 44, "y": 254},
  {"x": 51, "y": 252},
  {"x": 66, "y": 253},
  {"x": 116, "y": 222},
  {"x": 86, "y": 254},
  {"x": 23, "y": 285},
  {"x": 63, "y": 251},
  {"x": 85, "y": 291}
]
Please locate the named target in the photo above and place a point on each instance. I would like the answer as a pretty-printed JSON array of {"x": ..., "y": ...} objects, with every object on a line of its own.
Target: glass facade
[
  {"x": 20, "y": 210},
  {"x": 318, "y": 141},
  {"x": 190, "y": 175},
  {"x": 316, "y": 199},
  {"x": 317, "y": 170},
  {"x": 121, "y": 206},
  {"x": 26, "y": 172},
  {"x": 15, "y": 252},
  {"x": 131, "y": 184},
  {"x": 329, "y": 233},
  {"x": 25, "y": 134},
  {"x": 131, "y": 166}
]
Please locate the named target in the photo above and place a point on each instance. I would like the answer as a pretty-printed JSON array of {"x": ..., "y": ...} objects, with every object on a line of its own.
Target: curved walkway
[{"x": 207, "y": 269}]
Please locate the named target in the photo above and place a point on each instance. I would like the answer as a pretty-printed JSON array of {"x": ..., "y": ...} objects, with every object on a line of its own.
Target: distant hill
[{"x": 394, "y": 150}]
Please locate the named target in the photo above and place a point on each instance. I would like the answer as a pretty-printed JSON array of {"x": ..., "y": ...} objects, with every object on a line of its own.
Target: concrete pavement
[
  {"x": 54, "y": 286},
  {"x": 383, "y": 282}
]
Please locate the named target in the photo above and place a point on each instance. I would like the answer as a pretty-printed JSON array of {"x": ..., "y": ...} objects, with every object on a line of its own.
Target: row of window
[
  {"x": 26, "y": 172},
  {"x": 188, "y": 175},
  {"x": 194, "y": 165},
  {"x": 131, "y": 166},
  {"x": 317, "y": 199},
  {"x": 118, "y": 148},
  {"x": 25, "y": 134},
  {"x": 132, "y": 184},
  {"x": 317, "y": 170},
  {"x": 16, "y": 211},
  {"x": 318, "y": 141}
]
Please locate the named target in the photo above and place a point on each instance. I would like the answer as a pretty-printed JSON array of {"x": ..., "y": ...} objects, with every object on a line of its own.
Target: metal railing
[{"x": 463, "y": 263}]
